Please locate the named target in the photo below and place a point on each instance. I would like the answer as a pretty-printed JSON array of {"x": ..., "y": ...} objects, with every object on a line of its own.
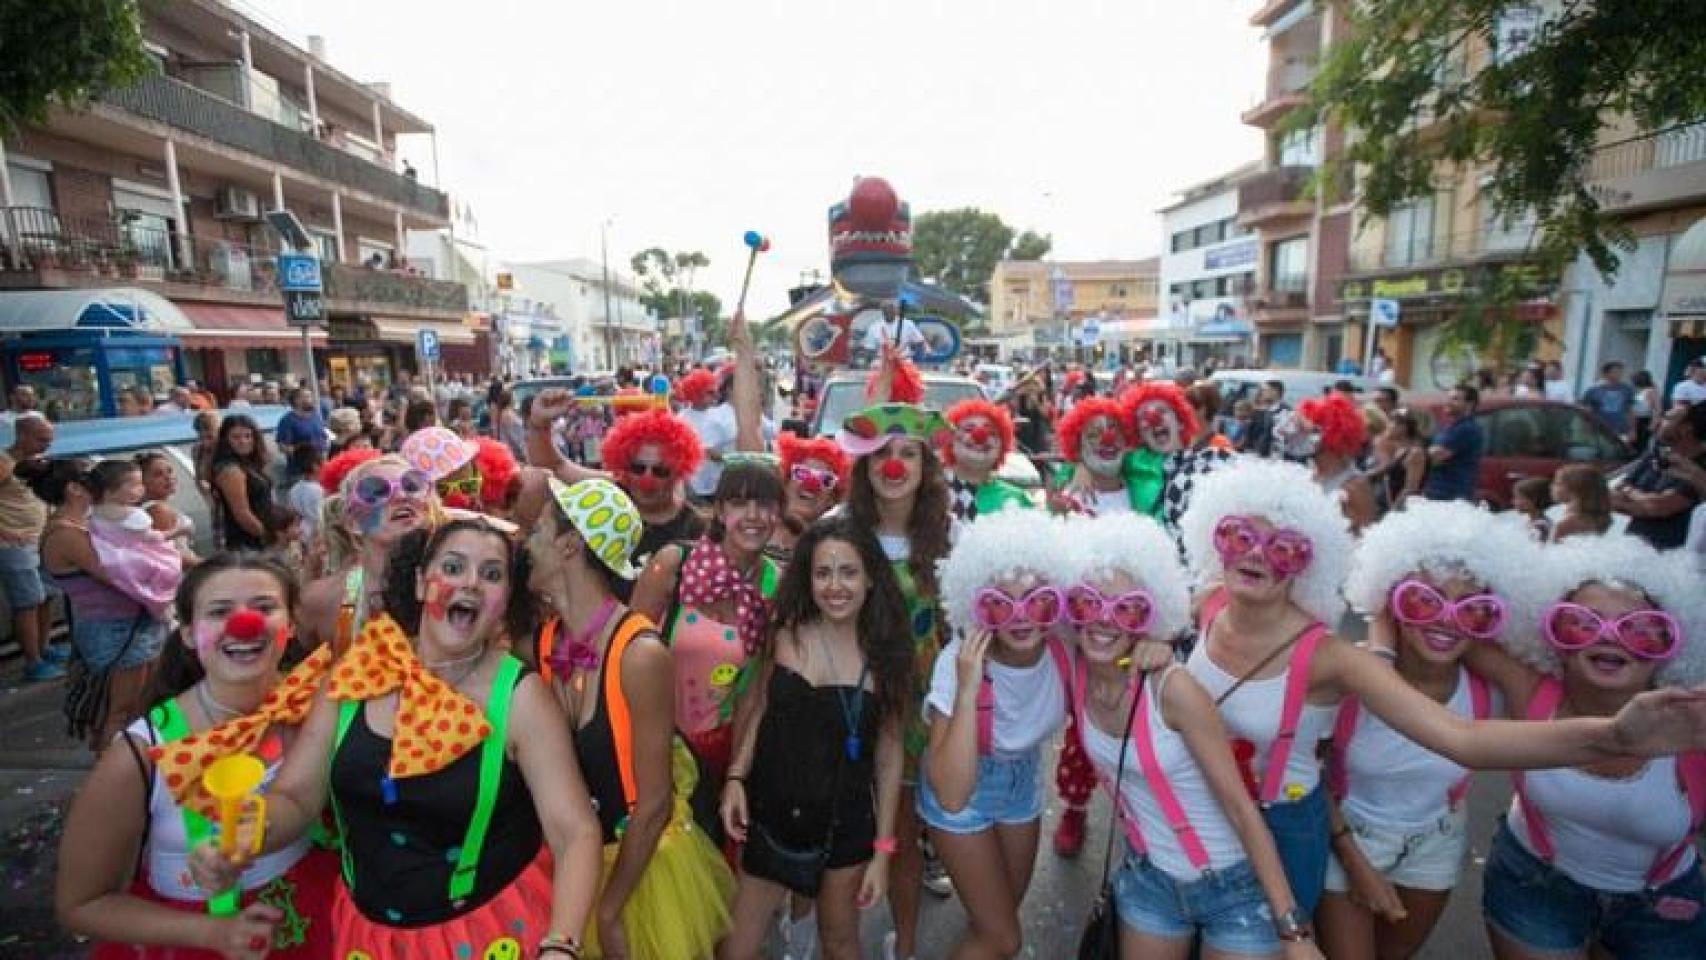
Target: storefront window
[
  {"x": 65, "y": 380},
  {"x": 149, "y": 367},
  {"x": 375, "y": 372}
]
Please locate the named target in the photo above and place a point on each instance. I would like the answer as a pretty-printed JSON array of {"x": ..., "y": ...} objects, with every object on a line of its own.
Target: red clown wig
[
  {"x": 1342, "y": 428},
  {"x": 674, "y": 438},
  {"x": 1167, "y": 392},
  {"x": 1070, "y": 430},
  {"x": 825, "y": 450},
  {"x": 498, "y": 472},
  {"x": 698, "y": 384},
  {"x": 336, "y": 469},
  {"x": 906, "y": 386},
  {"x": 995, "y": 414}
]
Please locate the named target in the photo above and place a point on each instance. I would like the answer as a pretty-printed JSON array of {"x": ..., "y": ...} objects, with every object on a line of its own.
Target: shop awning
[
  {"x": 1221, "y": 331},
  {"x": 118, "y": 308},
  {"x": 393, "y": 330},
  {"x": 232, "y": 327},
  {"x": 1685, "y": 277}
]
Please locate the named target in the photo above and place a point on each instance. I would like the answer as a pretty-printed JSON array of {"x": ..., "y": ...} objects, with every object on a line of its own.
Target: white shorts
[{"x": 1421, "y": 858}]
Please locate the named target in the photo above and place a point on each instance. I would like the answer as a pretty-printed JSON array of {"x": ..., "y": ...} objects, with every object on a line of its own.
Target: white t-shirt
[
  {"x": 1559, "y": 390},
  {"x": 715, "y": 432},
  {"x": 1688, "y": 392},
  {"x": 1030, "y": 702},
  {"x": 883, "y": 331}
]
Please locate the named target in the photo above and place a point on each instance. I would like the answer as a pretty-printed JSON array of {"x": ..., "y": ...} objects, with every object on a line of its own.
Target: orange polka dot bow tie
[
  {"x": 182, "y": 762},
  {"x": 436, "y": 725}
]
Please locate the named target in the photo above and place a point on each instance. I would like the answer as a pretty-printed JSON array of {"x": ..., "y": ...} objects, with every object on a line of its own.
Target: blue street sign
[
  {"x": 1383, "y": 312},
  {"x": 298, "y": 273},
  {"x": 426, "y": 344}
]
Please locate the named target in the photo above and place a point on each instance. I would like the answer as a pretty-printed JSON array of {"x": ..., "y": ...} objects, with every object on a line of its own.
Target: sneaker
[
  {"x": 799, "y": 937},
  {"x": 42, "y": 671},
  {"x": 1069, "y": 834},
  {"x": 888, "y": 948},
  {"x": 57, "y": 653},
  {"x": 936, "y": 879}
]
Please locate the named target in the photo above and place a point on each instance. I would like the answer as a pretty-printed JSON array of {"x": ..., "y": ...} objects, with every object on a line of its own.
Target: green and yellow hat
[
  {"x": 605, "y": 518},
  {"x": 866, "y": 431}
]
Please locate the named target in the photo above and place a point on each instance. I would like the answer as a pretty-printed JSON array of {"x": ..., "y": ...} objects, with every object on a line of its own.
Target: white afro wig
[
  {"x": 1286, "y": 496},
  {"x": 1136, "y": 546},
  {"x": 996, "y": 546},
  {"x": 1669, "y": 579},
  {"x": 1448, "y": 537}
]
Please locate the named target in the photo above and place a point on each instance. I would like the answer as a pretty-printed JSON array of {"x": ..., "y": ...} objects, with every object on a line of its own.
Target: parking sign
[
  {"x": 298, "y": 273},
  {"x": 426, "y": 344},
  {"x": 1383, "y": 312}
]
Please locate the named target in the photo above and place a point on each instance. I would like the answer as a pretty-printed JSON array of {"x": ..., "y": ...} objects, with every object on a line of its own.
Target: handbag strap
[{"x": 1119, "y": 776}]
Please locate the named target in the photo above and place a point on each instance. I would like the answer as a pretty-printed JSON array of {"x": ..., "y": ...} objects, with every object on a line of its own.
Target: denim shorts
[
  {"x": 20, "y": 577},
  {"x": 1538, "y": 906},
  {"x": 1009, "y": 790},
  {"x": 1421, "y": 858},
  {"x": 1300, "y": 833},
  {"x": 99, "y": 642},
  {"x": 1225, "y": 906}
]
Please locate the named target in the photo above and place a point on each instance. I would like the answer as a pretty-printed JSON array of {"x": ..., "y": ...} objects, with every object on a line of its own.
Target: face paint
[
  {"x": 893, "y": 470},
  {"x": 438, "y": 597},
  {"x": 207, "y": 636},
  {"x": 1159, "y": 426},
  {"x": 1102, "y": 448}
]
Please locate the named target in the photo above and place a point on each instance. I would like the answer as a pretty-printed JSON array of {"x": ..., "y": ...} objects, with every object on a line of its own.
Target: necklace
[
  {"x": 211, "y": 707},
  {"x": 472, "y": 661},
  {"x": 850, "y": 713}
]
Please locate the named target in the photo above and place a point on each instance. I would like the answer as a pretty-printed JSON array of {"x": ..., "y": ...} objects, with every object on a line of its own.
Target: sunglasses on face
[
  {"x": 995, "y": 610},
  {"x": 374, "y": 490},
  {"x": 1417, "y": 604},
  {"x": 813, "y": 479},
  {"x": 1647, "y": 634},
  {"x": 1285, "y": 550},
  {"x": 1130, "y": 612},
  {"x": 467, "y": 486},
  {"x": 658, "y": 470}
]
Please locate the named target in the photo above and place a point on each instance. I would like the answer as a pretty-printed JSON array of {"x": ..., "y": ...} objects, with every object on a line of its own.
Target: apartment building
[
  {"x": 159, "y": 190},
  {"x": 1082, "y": 308},
  {"x": 594, "y": 331},
  {"x": 1208, "y": 272}
]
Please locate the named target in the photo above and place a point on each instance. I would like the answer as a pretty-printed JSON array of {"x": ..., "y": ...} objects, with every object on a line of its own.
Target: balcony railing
[
  {"x": 1272, "y": 188},
  {"x": 162, "y": 99},
  {"x": 1492, "y": 242},
  {"x": 344, "y": 282},
  {"x": 1656, "y": 151}
]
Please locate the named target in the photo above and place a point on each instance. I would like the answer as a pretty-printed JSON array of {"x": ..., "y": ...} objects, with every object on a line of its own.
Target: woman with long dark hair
[
  {"x": 830, "y": 701},
  {"x": 242, "y": 490},
  {"x": 219, "y": 691}
]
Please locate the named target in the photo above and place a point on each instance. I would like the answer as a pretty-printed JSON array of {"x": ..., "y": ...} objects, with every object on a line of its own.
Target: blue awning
[{"x": 1222, "y": 330}]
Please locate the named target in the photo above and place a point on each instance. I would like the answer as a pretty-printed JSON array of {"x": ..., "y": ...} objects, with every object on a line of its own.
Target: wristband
[
  {"x": 886, "y": 845},
  {"x": 559, "y": 945},
  {"x": 1292, "y": 926},
  {"x": 735, "y": 778}
]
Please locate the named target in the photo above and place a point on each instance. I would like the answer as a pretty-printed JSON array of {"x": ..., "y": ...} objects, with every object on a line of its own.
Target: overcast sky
[{"x": 688, "y": 122}]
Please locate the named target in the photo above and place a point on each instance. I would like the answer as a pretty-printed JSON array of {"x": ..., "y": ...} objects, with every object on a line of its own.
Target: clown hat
[
  {"x": 605, "y": 518},
  {"x": 438, "y": 452}
]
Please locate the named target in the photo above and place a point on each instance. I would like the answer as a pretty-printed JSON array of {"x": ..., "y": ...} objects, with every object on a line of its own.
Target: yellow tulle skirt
[{"x": 680, "y": 909}]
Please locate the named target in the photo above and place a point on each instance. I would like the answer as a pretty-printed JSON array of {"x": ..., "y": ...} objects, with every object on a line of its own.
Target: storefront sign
[
  {"x": 1238, "y": 253},
  {"x": 1449, "y": 282},
  {"x": 353, "y": 330}
]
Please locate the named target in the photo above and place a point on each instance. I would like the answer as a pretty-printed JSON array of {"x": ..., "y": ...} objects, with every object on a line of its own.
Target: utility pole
[{"x": 604, "y": 247}]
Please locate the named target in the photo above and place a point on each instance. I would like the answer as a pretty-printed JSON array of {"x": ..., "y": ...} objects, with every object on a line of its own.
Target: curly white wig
[
  {"x": 1287, "y": 496},
  {"x": 995, "y": 546},
  {"x": 1616, "y": 559},
  {"x": 1137, "y": 547},
  {"x": 1443, "y": 538}
]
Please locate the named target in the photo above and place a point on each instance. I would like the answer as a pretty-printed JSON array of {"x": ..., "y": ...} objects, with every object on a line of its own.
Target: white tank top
[
  {"x": 1189, "y": 785},
  {"x": 1595, "y": 839},
  {"x": 1396, "y": 782},
  {"x": 1253, "y": 714},
  {"x": 168, "y": 847}
]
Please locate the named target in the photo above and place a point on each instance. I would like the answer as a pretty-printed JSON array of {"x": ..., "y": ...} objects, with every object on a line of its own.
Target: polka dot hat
[
  {"x": 605, "y": 518},
  {"x": 437, "y": 452}
]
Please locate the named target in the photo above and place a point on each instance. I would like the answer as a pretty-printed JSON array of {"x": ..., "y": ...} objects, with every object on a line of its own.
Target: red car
[{"x": 1532, "y": 437}]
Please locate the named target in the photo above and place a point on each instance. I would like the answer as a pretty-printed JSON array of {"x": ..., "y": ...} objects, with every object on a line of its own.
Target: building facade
[
  {"x": 1207, "y": 274},
  {"x": 162, "y": 187},
  {"x": 606, "y": 326},
  {"x": 1086, "y": 309}
]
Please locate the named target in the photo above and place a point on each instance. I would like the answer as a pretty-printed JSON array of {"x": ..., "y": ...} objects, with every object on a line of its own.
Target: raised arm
[
  {"x": 539, "y": 741},
  {"x": 747, "y": 397},
  {"x": 549, "y": 407}
]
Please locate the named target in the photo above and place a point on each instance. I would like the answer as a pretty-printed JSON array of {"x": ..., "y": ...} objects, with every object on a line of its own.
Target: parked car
[
  {"x": 1236, "y": 385},
  {"x": 1531, "y": 437}
]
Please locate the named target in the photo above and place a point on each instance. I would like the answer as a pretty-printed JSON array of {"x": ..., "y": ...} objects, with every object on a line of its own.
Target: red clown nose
[
  {"x": 893, "y": 470},
  {"x": 645, "y": 483},
  {"x": 978, "y": 435},
  {"x": 245, "y": 624}
]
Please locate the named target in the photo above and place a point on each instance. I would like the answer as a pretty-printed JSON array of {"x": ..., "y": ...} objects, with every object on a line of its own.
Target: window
[
  {"x": 1514, "y": 32},
  {"x": 1116, "y": 291},
  {"x": 1501, "y": 232},
  {"x": 1181, "y": 241},
  {"x": 1288, "y": 265},
  {"x": 266, "y": 361},
  {"x": 325, "y": 244},
  {"x": 1410, "y": 233},
  {"x": 1300, "y": 148}
]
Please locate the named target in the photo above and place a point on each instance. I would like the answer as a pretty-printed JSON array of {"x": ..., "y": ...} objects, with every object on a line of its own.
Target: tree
[
  {"x": 1531, "y": 117},
  {"x": 960, "y": 248},
  {"x": 667, "y": 281},
  {"x": 65, "y": 52}
]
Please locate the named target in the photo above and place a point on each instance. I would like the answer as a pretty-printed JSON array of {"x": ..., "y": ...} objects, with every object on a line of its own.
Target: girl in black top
[
  {"x": 818, "y": 761},
  {"x": 242, "y": 490}
]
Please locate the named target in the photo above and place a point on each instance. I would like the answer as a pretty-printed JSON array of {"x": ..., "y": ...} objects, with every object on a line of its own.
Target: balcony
[
  {"x": 1493, "y": 242},
  {"x": 1273, "y": 195},
  {"x": 43, "y": 249},
  {"x": 177, "y": 104},
  {"x": 1288, "y": 89},
  {"x": 1654, "y": 170}
]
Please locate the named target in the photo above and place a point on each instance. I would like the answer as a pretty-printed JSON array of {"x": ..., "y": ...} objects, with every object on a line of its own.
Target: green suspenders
[
  {"x": 169, "y": 720},
  {"x": 491, "y": 771}
]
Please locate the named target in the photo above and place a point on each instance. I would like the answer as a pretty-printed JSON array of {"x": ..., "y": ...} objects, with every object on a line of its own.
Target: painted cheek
[
  {"x": 207, "y": 635},
  {"x": 438, "y": 594}
]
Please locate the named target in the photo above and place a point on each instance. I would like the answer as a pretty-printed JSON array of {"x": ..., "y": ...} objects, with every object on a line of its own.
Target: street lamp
[{"x": 604, "y": 248}]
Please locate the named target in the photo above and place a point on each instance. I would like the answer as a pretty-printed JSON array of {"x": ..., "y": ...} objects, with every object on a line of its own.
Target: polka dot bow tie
[
  {"x": 182, "y": 762},
  {"x": 436, "y": 725}
]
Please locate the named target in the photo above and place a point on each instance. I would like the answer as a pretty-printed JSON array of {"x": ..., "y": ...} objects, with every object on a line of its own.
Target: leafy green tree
[
  {"x": 1532, "y": 116},
  {"x": 64, "y": 51},
  {"x": 666, "y": 282},
  {"x": 960, "y": 248}
]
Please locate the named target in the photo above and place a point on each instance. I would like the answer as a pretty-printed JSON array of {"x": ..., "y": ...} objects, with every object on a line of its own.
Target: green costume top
[{"x": 1142, "y": 471}]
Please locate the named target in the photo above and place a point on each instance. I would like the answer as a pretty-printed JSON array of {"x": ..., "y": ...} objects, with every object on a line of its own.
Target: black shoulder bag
[
  {"x": 1101, "y": 938},
  {"x": 88, "y": 690}
]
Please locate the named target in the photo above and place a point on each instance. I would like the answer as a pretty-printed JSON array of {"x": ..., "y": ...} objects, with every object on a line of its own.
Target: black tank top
[
  {"x": 595, "y": 747},
  {"x": 804, "y": 731},
  {"x": 404, "y": 851}
]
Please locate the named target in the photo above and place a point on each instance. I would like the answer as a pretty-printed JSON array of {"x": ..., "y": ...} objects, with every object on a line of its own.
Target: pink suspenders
[
  {"x": 1338, "y": 773},
  {"x": 1690, "y": 773},
  {"x": 986, "y": 697},
  {"x": 1291, "y": 710},
  {"x": 1156, "y": 778}
]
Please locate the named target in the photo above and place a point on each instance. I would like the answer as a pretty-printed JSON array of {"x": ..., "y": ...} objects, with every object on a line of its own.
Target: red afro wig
[
  {"x": 677, "y": 441},
  {"x": 1070, "y": 430},
  {"x": 995, "y": 414},
  {"x": 796, "y": 451},
  {"x": 906, "y": 386},
  {"x": 1342, "y": 428},
  {"x": 498, "y": 473},
  {"x": 698, "y": 384},
  {"x": 336, "y": 469},
  {"x": 1167, "y": 392}
]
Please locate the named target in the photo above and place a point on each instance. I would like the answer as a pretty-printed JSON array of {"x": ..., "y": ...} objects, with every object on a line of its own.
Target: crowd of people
[{"x": 653, "y": 680}]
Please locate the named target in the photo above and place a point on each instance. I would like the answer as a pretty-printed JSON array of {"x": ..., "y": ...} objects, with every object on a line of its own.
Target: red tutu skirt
[
  {"x": 304, "y": 893},
  {"x": 506, "y": 927}
]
